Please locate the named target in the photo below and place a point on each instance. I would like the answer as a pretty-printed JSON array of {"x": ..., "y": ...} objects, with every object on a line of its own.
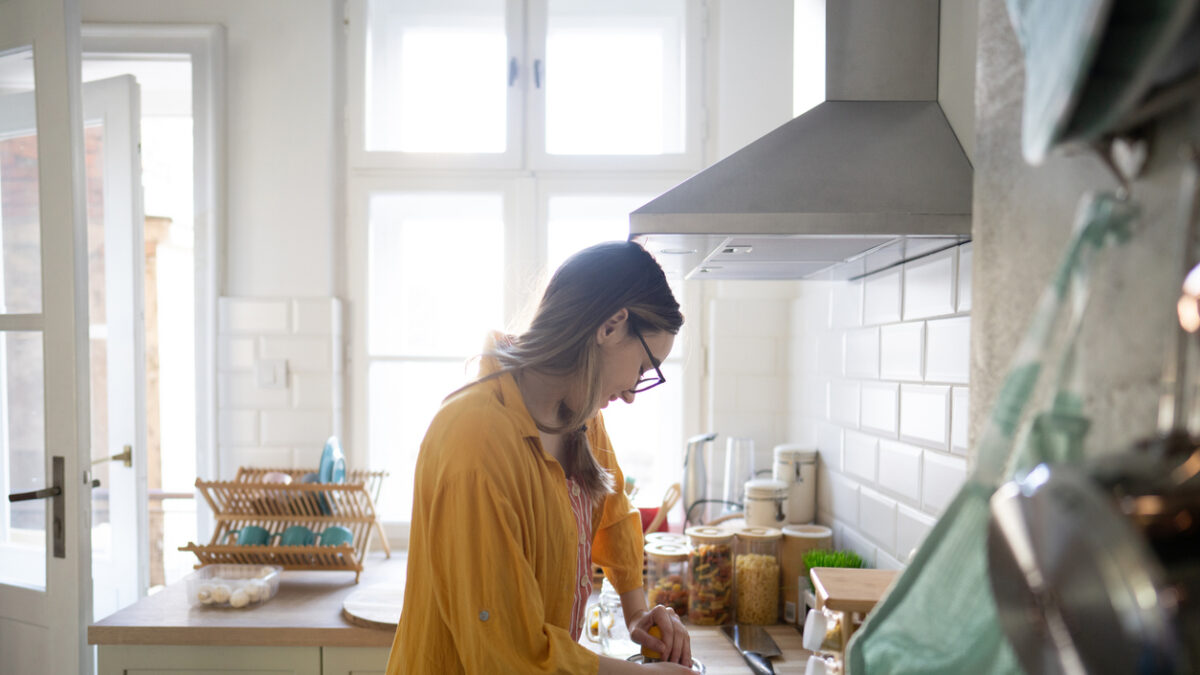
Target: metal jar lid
[
  {"x": 666, "y": 537},
  {"x": 792, "y": 452}
]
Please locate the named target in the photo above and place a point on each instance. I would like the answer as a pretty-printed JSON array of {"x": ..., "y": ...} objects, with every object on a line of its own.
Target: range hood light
[
  {"x": 734, "y": 250},
  {"x": 676, "y": 251}
]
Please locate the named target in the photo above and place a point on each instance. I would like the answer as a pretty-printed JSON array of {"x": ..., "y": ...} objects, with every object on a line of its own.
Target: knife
[{"x": 755, "y": 644}]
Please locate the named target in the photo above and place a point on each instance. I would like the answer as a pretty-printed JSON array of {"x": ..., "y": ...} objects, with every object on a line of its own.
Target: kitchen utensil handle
[{"x": 759, "y": 664}]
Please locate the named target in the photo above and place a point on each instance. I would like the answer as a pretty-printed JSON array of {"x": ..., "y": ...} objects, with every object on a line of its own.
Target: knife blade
[{"x": 755, "y": 645}]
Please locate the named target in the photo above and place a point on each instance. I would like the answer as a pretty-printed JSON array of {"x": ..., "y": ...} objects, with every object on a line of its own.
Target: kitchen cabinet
[
  {"x": 354, "y": 661},
  {"x": 199, "y": 660}
]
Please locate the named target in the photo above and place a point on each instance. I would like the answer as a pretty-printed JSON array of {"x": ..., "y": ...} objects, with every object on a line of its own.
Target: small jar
[
  {"x": 796, "y": 465},
  {"x": 710, "y": 576},
  {"x": 756, "y": 564},
  {"x": 766, "y": 502},
  {"x": 666, "y": 576}
]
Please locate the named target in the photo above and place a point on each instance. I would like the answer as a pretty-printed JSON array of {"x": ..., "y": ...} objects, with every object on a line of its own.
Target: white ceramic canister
[
  {"x": 796, "y": 466},
  {"x": 766, "y": 502}
]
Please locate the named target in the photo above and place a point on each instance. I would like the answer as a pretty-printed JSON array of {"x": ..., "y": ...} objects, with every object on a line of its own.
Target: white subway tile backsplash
[
  {"x": 900, "y": 469},
  {"x": 862, "y": 353},
  {"x": 843, "y": 402},
  {"x": 289, "y": 427},
  {"x": 847, "y": 300},
  {"x": 929, "y": 286},
  {"x": 902, "y": 348},
  {"x": 302, "y": 353},
  {"x": 761, "y": 393},
  {"x": 877, "y": 517},
  {"x": 312, "y": 390},
  {"x": 880, "y": 407},
  {"x": 745, "y": 317},
  {"x": 239, "y": 427},
  {"x": 964, "y": 278},
  {"x": 884, "y": 561},
  {"x": 960, "y": 414},
  {"x": 856, "y": 542},
  {"x": 881, "y": 297},
  {"x": 829, "y": 445},
  {"x": 911, "y": 528},
  {"x": 816, "y": 398},
  {"x": 943, "y": 476},
  {"x": 925, "y": 415},
  {"x": 858, "y": 455},
  {"x": 313, "y": 316},
  {"x": 947, "y": 350},
  {"x": 240, "y": 390},
  {"x": 817, "y": 296},
  {"x": 247, "y": 316},
  {"x": 845, "y": 498},
  {"x": 237, "y": 353},
  {"x": 829, "y": 353},
  {"x": 810, "y": 354},
  {"x": 745, "y": 356}
]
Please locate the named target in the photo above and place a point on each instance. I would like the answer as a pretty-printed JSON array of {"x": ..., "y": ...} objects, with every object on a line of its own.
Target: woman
[{"x": 517, "y": 490}]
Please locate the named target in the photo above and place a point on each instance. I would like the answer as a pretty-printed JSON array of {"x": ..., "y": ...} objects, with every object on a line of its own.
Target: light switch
[{"x": 271, "y": 373}]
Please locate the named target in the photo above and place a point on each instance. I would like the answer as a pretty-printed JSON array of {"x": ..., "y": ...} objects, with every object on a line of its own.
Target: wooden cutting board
[{"x": 375, "y": 606}]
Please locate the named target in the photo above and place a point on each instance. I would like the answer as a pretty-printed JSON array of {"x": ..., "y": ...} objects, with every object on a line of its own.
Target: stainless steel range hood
[{"x": 870, "y": 178}]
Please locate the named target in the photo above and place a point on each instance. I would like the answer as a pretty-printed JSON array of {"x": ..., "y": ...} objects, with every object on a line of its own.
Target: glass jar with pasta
[
  {"x": 666, "y": 576},
  {"x": 710, "y": 576},
  {"x": 756, "y": 575}
]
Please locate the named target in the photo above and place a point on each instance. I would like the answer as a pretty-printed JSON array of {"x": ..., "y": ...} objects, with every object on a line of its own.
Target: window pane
[
  {"x": 436, "y": 76},
  {"x": 577, "y": 221},
  {"x": 647, "y": 435},
  {"x": 615, "y": 77},
  {"x": 403, "y": 398},
  {"x": 23, "y": 449},
  {"x": 436, "y": 272},
  {"x": 20, "y": 238}
]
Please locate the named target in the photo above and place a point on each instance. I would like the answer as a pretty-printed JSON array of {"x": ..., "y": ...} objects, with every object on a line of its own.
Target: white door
[
  {"x": 45, "y": 543},
  {"x": 116, "y": 316}
]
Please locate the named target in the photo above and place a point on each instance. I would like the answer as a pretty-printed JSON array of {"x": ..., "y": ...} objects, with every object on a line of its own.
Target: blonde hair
[{"x": 588, "y": 289}]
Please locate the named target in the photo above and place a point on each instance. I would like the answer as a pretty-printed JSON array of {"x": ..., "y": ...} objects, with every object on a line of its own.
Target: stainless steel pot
[{"x": 1096, "y": 569}]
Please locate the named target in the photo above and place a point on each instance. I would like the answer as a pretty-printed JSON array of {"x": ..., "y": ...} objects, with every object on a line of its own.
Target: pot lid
[{"x": 1077, "y": 589}]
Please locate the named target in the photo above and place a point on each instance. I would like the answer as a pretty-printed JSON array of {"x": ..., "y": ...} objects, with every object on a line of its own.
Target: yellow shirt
[{"x": 493, "y": 548}]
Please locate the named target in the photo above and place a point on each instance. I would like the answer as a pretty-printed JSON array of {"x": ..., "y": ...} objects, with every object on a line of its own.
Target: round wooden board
[{"x": 375, "y": 606}]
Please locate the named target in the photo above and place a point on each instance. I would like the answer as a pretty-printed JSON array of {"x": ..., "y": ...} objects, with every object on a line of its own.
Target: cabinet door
[
  {"x": 354, "y": 660},
  {"x": 178, "y": 660}
]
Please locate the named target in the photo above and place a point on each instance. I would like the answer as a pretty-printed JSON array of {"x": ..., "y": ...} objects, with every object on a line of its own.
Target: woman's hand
[{"x": 675, "y": 644}]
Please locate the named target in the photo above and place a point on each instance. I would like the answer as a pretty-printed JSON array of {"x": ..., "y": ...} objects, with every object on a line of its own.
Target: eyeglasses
[{"x": 645, "y": 383}]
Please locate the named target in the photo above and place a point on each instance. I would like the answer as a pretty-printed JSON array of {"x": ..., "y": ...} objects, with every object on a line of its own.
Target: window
[{"x": 464, "y": 193}]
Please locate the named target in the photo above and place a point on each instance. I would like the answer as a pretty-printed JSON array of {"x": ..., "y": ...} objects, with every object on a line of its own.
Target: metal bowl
[{"x": 696, "y": 665}]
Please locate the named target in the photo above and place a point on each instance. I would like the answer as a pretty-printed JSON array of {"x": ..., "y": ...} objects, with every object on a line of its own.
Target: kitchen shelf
[{"x": 247, "y": 500}]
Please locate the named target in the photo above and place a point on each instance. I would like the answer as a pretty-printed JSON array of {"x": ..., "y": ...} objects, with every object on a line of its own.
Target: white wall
[{"x": 283, "y": 123}]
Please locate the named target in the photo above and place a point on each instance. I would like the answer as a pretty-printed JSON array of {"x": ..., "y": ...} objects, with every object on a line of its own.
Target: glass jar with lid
[
  {"x": 756, "y": 576},
  {"x": 710, "y": 576},
  {"x": 666, "y": 575}
]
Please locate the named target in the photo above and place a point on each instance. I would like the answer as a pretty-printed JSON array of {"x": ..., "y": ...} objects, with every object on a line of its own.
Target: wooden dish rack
[{"x": 248, "y": 500}]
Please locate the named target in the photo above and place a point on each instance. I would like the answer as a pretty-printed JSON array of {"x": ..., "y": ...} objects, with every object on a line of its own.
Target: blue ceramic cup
[
  {"x": 297, "y": 535},
  {"x": 251, "y": 535},
  {"x": 335, "y": 535}
]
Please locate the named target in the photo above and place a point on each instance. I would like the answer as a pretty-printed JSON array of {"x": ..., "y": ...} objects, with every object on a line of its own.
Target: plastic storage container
[
  {"x": 796, "y": 466},
  {"x": 756, "y": 564},
  {"x": 666, "y": 575},
  {"x": 766, "y": 502},
  {"x": 710, "y": 576},
  {"x": 236, "y": 586}
]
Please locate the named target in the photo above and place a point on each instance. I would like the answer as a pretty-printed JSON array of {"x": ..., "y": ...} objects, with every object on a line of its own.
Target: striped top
[{"x": 581, "y": 505}]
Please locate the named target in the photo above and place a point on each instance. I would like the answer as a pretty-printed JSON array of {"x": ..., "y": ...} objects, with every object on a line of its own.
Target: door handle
[
  {"x": 125, "y": 456},
  {"x": 55, "y": 493}
]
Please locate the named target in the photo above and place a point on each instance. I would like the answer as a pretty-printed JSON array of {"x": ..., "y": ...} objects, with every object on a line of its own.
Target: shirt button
[
  {"x": 583, "y": 581},
  {"x": 574, "y": 490},
  {"x": 483, "y": 616}
]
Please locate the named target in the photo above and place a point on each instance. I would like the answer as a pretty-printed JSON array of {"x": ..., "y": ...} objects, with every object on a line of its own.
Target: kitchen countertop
[{"x": 307, "y": 611}]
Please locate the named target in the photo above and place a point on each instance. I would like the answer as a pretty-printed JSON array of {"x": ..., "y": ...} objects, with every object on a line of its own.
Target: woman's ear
[{"x": 612, "y": 326}]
